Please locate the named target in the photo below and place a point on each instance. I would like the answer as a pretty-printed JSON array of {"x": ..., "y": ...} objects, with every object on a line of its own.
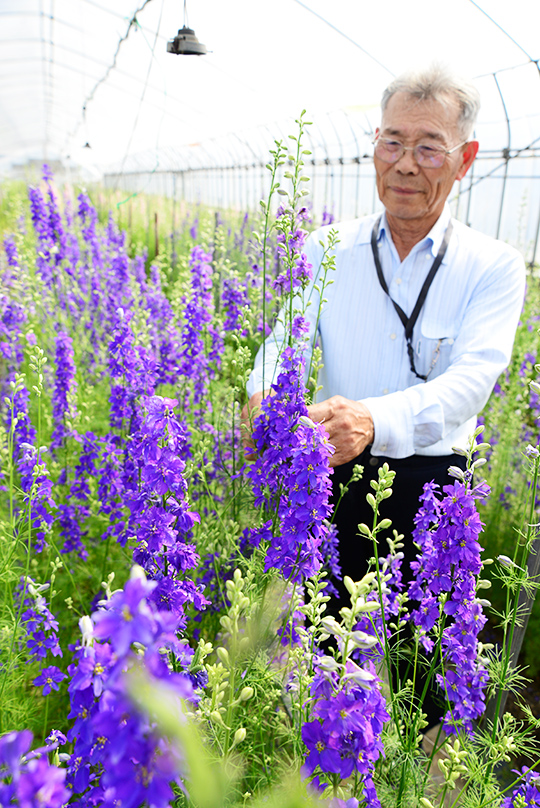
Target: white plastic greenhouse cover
[
  {"x": 88, "y": 85},
  {"x": 96, "y": 73}
]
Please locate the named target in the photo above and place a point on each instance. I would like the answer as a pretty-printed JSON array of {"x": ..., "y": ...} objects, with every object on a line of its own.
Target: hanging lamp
[{"x": 185, "y": 43}]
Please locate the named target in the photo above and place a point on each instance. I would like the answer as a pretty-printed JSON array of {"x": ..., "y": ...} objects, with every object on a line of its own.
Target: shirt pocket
[{"x": 433, "y": 343}]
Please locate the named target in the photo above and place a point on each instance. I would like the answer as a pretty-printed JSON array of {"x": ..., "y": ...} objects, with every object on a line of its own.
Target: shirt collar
[{"x": 432, "y": 241}]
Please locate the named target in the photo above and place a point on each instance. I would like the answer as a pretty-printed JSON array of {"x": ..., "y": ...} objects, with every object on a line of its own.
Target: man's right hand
[{"x": 247, "y": 416}]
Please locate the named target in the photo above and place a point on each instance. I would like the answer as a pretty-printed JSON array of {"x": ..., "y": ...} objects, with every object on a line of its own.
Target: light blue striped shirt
[{"x": 463, "y": 336}]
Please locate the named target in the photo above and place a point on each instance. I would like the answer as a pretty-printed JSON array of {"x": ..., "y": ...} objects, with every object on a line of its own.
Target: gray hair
[{"x": 438, "y": 83}]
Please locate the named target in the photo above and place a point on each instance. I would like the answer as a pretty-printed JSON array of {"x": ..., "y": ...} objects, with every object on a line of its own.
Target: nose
[{"x": 407, "y": 163}]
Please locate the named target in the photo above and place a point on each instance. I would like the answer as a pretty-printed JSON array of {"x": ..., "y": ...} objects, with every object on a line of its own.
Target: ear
[{"x": 467, "y": 158}]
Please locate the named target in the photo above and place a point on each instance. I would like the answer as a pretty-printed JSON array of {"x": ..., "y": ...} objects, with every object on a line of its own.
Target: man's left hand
[{"x": 348, "y": 424}]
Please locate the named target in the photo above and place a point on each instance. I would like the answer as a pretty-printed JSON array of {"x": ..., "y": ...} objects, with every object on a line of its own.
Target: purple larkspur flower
[
  {"x": 39, "y": 645},
  {"x": 447, "y": 531},
  {"x": 233, "y": 299},
  {"x": 292, "y": 473},
  {"x": 127, "y": 618},
  {"x": 32, "y": 781},
  {"x": 64, "y": 388},
  {"x": 42, "y": 784},
  {"x": 118, "y": 753},
  {"x": 527, "y": 793},
  {"x": 345, "y": 736},
  {"x": 93, "y": 668},
  {"x": 320, "y": 753},
  {"x": 50, "y": 678}
]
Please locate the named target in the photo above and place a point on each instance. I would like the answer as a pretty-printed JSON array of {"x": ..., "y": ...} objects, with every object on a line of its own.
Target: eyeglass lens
[{"x": 390, "y": 151}]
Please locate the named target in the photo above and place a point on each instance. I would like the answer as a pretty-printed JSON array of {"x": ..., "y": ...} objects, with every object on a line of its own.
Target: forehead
[{"x": 408, "y": 117}]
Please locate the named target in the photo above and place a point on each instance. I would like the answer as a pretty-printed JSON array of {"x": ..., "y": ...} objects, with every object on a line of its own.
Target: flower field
[{"x": 167, "y": 637}]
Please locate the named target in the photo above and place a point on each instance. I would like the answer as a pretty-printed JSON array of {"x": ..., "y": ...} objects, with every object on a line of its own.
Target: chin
[{"x": 405, "y": 212}]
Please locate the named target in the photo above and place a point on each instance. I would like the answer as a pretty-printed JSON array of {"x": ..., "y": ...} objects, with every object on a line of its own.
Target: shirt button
[
  {"x": 392, "y": 336},
  {"x": 428, "y": 256},
  {"x": 373, "y": 461},
  {"x": 385, "y": 391},
  {"x": 398, "y": 281},
  {"x": 450, "y": 341},
  {"x": 383, "y": 448}
]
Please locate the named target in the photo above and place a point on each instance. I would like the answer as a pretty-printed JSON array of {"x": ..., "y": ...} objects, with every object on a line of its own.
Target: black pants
[
  {"x": 411, "y": 475},
  {"x": 356, "y": 550}
]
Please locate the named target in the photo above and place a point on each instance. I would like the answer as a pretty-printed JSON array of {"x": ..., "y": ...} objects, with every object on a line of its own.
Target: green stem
[
  {"x": 105, "y": 556},
  {"x": 45, "y": 718},
  {"x": 508, "y": 640}
]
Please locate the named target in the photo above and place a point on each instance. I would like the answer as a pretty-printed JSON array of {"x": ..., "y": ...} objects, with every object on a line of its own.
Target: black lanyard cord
[{"x": 409, "y": 322}]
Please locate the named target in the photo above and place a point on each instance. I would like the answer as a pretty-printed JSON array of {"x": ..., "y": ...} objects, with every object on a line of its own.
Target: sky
[{"x": 267, "y": 60}]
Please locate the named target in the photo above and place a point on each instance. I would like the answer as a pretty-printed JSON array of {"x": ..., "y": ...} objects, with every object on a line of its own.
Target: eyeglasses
[{"x": 390, "y": 151}]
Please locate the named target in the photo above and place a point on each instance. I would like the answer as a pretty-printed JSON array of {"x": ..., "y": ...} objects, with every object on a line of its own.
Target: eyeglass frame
[{"x": 438, "y": 149}]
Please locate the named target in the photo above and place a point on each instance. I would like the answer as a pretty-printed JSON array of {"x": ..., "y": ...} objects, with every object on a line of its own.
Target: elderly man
[{"x": 420, "y": 318}]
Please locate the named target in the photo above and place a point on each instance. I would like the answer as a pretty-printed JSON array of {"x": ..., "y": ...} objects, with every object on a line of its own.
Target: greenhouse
[{"x": 270, "y": 404}]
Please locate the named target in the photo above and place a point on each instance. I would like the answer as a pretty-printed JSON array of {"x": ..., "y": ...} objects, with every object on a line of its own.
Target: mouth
[{"x": 404, "y": 191}]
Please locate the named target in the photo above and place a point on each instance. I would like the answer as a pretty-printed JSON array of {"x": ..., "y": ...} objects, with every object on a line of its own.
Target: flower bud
[
  {"x": 215, "y": 716},
  {"x": 331, "y": 626},
  {"x": 327, "y": 663},
  {"x": 363, "y": 640},
  {"x": 226, "y": 623},
  {"x": 137, "y": 573},
  {"x": 87, "y": 629},
  {"x": 247, "y": 693},
  {"x": 483, "y": 583},
  {"x": 306, "y": 421},
  {"x": 239, "y": 736},
  {"x": 350, "y": 585},
  {"x": 367, "y": 606},
  {"x": 507, "y": 562},
  {"x": 361, "y": 677}
]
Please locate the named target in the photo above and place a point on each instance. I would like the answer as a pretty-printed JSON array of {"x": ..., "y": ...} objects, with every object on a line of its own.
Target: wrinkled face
[{"x": 407, "y": 190}]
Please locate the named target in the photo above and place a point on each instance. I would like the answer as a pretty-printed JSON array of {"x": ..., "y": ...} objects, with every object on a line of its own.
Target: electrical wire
[
  {"x": 145, "y": 86},
  {"x": 134, "y": 127},
  {"x": 132, "y": 22},
  {"x": 346, "y": 36},
  {"x": 89, "y": 98},
  {"x": 116, "y": 14}
]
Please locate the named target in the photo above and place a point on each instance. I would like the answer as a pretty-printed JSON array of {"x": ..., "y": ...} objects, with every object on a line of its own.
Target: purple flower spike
[
  {"x": 292, "y": 474},
  {"x": 447, "y": 531}
]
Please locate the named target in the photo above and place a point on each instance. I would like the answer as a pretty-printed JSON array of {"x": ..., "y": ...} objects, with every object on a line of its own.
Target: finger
[
  {"x": 317, "y": 412},
  {"x": 320, "y": 414}
]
